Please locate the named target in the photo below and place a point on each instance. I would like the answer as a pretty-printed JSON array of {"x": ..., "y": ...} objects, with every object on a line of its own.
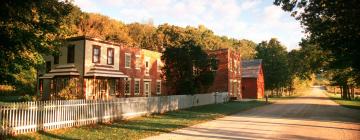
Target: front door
[
  {"x": 101, "y": 89},
  {"x": 147, "y": 90}
]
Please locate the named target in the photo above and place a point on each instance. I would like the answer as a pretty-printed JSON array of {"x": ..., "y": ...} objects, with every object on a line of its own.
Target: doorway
[{"x": 147, "y": 90}]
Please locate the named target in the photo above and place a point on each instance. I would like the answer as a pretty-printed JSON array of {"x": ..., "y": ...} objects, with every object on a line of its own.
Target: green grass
[
  {"x": 354, "y": 104},
  {"x": 142, "y": 127}
]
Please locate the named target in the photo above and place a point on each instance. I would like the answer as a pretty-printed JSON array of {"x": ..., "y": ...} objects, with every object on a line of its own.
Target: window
[
  {"x": 48, "y": 66},
  {"x": 110, "y": 56},
  {"x": 138, "y": 62},
  {"x": 147, "y": 66},
  {"x": 70, "y": 54},
  {"x": 158, "y": 87},
  {"x": 127, "y": 60},
  {"x": 137, "y": 87},
  {"x": 127, "y": 87},
  {"x": 96, "y": 54},
  {"x": 56, "y": 59},
  {"x": 112, "y": 89}
]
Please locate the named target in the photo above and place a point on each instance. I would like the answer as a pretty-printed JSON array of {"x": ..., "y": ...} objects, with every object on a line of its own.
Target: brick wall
[
  {"x": 139, "y": 74},
  {"x": 228, "y": 72}
]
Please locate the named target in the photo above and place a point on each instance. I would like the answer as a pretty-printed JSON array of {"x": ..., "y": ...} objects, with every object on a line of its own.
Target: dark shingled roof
[{"x": 250, "y": 68}]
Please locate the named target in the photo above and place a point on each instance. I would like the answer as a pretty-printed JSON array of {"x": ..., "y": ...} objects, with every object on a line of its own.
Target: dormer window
[
  {"x": 110, "y": 56},
  {"x": 96, "y": 54}
]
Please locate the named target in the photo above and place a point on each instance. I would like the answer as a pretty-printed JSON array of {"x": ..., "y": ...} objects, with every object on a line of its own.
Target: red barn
[{"x": 252, "y": 79}]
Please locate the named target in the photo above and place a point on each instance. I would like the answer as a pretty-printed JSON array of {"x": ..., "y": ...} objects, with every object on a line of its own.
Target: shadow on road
[
  {"x": 243, "y": 134},
  {"x": 316, "y": 112}
]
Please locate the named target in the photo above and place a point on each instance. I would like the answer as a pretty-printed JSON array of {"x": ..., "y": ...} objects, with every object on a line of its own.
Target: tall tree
[
  {"x": 142, "y": 35},
  {"x": 187, "y": 68},
  {"x": 28, "y": 29},
  {"x": 103, "y": 27},
  {"x": 276, "y": 72},
  {"x": 333, "y": 25},
  {"x": 247, "y": 49}
]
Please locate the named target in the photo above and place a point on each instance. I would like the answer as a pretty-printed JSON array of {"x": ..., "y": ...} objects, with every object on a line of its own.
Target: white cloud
[
  {"x": 87, "y": 5},
  {"x": 250, "y": 19}
]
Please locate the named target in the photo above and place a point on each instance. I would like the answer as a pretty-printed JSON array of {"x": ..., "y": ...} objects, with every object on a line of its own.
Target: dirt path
[{"x": 313, "y": 116}]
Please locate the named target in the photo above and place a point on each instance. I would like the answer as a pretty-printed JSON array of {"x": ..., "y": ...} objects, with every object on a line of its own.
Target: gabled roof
[{"x": 251, "y": 68}]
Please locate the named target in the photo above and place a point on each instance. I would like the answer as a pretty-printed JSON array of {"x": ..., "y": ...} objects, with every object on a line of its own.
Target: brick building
[
  {"x": 228, "y": 74},
  {"x": 143, "y": 68},
  {"x": 101, "y": 70},
  {"x": 252, "y": 79}
]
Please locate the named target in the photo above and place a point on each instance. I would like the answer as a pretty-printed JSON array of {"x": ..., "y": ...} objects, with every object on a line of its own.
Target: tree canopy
[
  {"x": 275, "y": 63},
  {"x": 334, "y": 27},
  {"x": 187, "y": 68},
  {"x": 27, "y": 30}
]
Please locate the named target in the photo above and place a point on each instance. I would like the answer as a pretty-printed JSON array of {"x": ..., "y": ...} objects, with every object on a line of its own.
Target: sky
[{"x": 256, "y": 20}]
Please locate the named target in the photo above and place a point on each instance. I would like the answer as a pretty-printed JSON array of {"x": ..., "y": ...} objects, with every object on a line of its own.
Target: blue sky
[{"x": 256, "y": 20}]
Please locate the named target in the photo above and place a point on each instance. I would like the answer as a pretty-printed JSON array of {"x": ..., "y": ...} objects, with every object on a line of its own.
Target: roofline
[
  {"x": 249, "y": 60},
  {"x": 84, "y": 37},
  {"x": 250, "y": 77},
  {"x": 222, "y": 49}
]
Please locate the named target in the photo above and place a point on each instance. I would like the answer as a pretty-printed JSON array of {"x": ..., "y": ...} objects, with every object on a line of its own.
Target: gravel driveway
[{"x": 313, "y": 116}]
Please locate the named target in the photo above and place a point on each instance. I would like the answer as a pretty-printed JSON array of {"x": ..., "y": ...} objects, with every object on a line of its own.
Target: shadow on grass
[
  {"x": 41, "y": 133},
  {"x": 55, "y": 136},
  {"x": 353, "y": 104}
]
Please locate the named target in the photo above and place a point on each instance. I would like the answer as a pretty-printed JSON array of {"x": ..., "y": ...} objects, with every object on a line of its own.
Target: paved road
[{"x": 313, "y": 116}]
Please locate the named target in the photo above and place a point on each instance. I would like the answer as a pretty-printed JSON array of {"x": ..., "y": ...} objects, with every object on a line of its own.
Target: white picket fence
[{"x": 17, "y": 118}]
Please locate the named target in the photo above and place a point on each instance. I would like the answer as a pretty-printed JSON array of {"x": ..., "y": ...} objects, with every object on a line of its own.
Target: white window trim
[
  {"x": 136, "y": 59},
  {"x": 147, "y": 69},
  {"x": 149, "y": 81},
  {"x": 129, "y": 93},
  {"x": 158, "y": 93},
  {"x": 127, "y": 54},
  {"x": 135, "y": 80}
]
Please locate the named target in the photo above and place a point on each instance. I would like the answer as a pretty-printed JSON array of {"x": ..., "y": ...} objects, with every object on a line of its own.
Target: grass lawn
[
  {"x": 142, "y": 127},
  {"x": 354, "y": 104}
]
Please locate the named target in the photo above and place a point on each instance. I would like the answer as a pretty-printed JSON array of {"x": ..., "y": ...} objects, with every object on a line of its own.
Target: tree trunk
[
  {"x": 341, "y": 92},
  {"x": 346, "y": 92},
  {"x": 352, "y": 92}
]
